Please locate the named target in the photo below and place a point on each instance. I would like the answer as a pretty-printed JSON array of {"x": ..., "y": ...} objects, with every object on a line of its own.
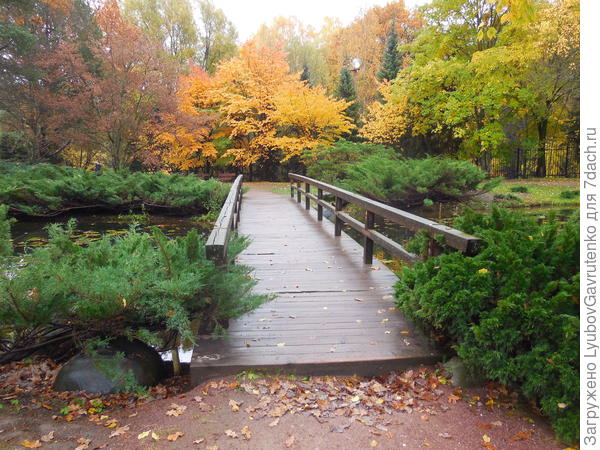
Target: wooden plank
[{"x": 323, "y": 274}]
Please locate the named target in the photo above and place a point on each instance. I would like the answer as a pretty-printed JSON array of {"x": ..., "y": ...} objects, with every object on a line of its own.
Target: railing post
[
  {"x": 339, "y": 224},
  {"x": 319, "y": 206},
  {"x": 298, "y": 193},
  {"x": 368, "y": 243},
  {"x": 292, "y": 188},
  {"x": 306, "y": 199},
  {"x": 433, "y": 248}
]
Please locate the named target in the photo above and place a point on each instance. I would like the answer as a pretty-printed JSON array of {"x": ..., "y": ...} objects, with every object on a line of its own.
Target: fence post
[
  {"x": 319, "y": 206},
  {"x": 368, "y": 247},
  {"x": 339, "y": 224},
  {"x": 306, "y": 199},
  {"x": 292, "y": 188},
  {"x": 298, "y": 193}
]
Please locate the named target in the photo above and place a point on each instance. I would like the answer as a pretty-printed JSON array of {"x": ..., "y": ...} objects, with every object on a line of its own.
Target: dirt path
[{"x": 413, "y": 410}]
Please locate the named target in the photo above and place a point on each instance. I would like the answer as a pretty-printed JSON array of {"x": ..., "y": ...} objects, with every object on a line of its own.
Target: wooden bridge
[{"x": 333, "y": 312}]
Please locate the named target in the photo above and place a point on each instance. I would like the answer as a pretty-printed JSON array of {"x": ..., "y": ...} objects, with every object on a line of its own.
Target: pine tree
[
  {"x": 391, "y": 56},
  {"x": 305, "y": 75},
  {"x": 345, "y": 91}
]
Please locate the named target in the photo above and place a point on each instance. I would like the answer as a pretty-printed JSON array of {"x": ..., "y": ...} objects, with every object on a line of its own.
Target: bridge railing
[
  {"x": 229, "y": 217},
  {"x": 452, "y": 237}
]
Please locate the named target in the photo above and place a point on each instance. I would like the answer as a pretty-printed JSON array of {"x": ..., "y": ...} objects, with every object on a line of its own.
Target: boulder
[{"x": 122, "y": 365}]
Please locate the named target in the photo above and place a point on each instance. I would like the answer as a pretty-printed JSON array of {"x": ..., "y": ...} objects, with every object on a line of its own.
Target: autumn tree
[
  {"x": 136, "y": 79},
  {"x": 171, "y": 22},
  {"x": 303, "y": 45},
  {"x": 218, "y": 36},
  {"x": 181, "y": 137},
  {"x": 45, "y": 73},
  {"x": 269, "y": 114},
  {"x": 364, "y": 40}
]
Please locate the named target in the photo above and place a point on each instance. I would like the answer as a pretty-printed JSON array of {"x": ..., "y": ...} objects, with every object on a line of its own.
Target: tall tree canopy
[{"x": 392, "y": 60}]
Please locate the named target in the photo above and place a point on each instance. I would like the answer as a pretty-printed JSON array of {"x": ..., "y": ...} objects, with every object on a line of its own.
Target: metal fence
[{"x": 561, "y": 161}]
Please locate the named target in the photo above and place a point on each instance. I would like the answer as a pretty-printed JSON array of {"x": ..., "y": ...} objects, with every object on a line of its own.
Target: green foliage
[
  {"x": 5, "y": 237},
  {"x": 512, "y": 310},
  {"x": 330, "y": 164},
  {"x": 136, "y": 285},
  {"x": 345, "y": 90},
  {"x": 521, "y": 189},
  {"x": 47, "y": 188},
  {"x": 408, "y": 182},
  {"x": 392, "y": 60},
  {"x": 569, "y": 194}
]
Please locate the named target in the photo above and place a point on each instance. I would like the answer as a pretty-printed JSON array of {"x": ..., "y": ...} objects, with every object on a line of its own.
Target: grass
[{"x": 544, "y": 192}]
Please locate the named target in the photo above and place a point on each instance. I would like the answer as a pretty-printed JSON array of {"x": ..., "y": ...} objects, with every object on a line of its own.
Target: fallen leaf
[
  {"x": 198, "y": 441},
  {"x": 404, "y": 332},
  {"x": 388, "y": 332},
  {"x": 483, "y": 426},
  {"x": 290, "y": 441},
  {"x": 155, "y": 436},
  {"x": 521, "y": 436},
  {"x": 488, "y": 446},
  {"x": 562, "y": 405},
  {"x": 497, "y": 423},
  {"x": 176, "y": 410},
  {"x": 232, "y": 434},
  {"x": 119, "y": 431},
  {"x": 453, "y": 398},
  {"x": 144, "y": 435},
  {"x": 212, "y": 447},
  {"x": 246, "y": 433},
  {"x": 281, "y": 344},
  {"x": 83, "y": 444},
  {"x": 174, "y": 436},
  {"x": 47, "y": 437},
  {"x": 486, "y": 438},
  {"x": 274, "y": 423},
  {"x": 358, "y": 299},
  {"x": 31, "y": 444},
  {"x": 374, "y": 443},
  {"x": 235, "y": 406},
  {"x": 445, "y": 435},
  {"x": 355, "y": 399}
]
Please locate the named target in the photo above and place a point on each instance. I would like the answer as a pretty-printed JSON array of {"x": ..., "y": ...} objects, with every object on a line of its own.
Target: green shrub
[
  {"x": 5, "y": 237},
  {"x": 46, "y": 188},
  {"x": 137, "y": 285},
  {"x": 329, "y": 164},
  {"x": 508, "y": 197},
  {"x": 521, "y": 189},
  {"x": 512, "y": 310},
  {"x": 569, "y": 194},
  {"x": 408, "y": 182}
]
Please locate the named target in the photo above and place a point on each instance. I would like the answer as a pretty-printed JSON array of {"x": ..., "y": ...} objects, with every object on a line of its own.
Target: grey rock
[
  {"x": 463, "y": 377},
  {"x": 108, "y": 371}
]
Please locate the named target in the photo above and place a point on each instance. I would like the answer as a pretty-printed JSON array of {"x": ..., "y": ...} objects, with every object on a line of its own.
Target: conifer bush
[
  {"x": 44, "y": 189},
  {"x": 404, "y": 182},
  {"x": 138, "y": 285},
  {"x": 511, "y": 311}
]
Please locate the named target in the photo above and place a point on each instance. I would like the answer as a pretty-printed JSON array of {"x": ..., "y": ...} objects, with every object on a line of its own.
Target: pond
[{"x": 28, "y": 234}]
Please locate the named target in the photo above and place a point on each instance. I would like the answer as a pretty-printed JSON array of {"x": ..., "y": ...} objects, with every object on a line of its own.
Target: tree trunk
[{"x": 542, "y": 127}]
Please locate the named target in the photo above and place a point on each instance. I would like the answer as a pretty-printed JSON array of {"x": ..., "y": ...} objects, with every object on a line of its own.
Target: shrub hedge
[
  {"x": 46, "y": 189},
  {"x": 512, "y": 311},
  {"x": 137, "y": 285}
]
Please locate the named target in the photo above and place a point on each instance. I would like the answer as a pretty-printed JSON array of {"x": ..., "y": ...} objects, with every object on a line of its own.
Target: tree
[
  {"x": 268, "y": 113},
  {"x": 171, "y": 22},
  {"x": 364, "y": 40},
  {"x": 392, "y": 60},
  {"x": 181, "y": 138},
  {"x": 304, "y": 47},
  {"x": 136, "y": 79},
  {"x": 345, "y": 91},
  {"x": 218, "y": 36}
]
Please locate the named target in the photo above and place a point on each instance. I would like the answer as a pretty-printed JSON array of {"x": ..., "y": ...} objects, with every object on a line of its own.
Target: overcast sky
[{"x": 248, "y": 15}]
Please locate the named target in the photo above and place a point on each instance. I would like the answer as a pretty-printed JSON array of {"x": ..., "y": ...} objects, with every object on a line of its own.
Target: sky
[{"x": 248, "y": 15}]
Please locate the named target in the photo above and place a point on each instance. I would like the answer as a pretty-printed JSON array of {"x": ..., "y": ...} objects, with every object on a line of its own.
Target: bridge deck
[{"x": 332, "y": 313}]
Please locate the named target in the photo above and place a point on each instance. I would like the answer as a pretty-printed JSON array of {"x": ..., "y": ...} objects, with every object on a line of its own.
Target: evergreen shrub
[
  {"x": 511, "y": 311},
  {"x": 137, "y": 285},
  {"x": 43, "y": 189},
  {"x": 408, "y": 182}
]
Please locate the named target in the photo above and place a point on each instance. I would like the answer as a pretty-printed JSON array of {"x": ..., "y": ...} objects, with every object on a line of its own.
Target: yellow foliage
[{"x": 386, "y": 122}]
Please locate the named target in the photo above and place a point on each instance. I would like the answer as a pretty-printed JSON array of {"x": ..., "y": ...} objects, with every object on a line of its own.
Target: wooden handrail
[
  {"x": 229, "y": 217},
  {"x": 452, "y": 237}
]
